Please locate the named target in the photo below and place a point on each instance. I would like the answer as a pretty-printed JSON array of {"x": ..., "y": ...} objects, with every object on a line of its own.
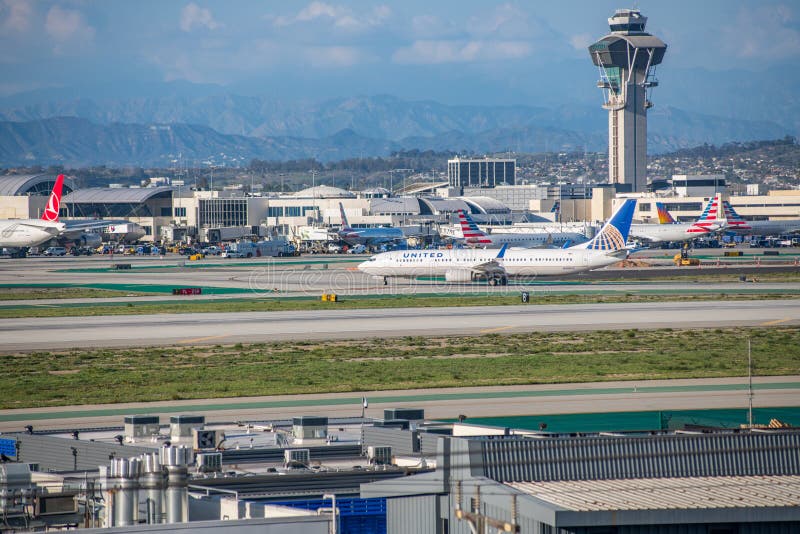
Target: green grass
[
  {"x": 39, "y": 293},
  {"x": 353, "y": 302},
  {"x": 171, "y": 373}
]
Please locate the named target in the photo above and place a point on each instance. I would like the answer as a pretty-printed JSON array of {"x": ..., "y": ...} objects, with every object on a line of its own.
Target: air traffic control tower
[{"x": 627, "y": 59}]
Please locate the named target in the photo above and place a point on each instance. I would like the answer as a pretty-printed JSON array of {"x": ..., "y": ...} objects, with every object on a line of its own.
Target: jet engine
[
  {"x": 89, "y": 240},
  {"x": 458, "y": 275}
]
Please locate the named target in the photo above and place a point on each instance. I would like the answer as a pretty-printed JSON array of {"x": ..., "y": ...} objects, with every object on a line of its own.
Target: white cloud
[
  {"x": 194, "y": 16},
  {"x": 434, "y": 52},
  {"x": 506, "y": 20},
  {"x": 333, "y": 56},
  {"x": 17, "y": 15},
  {"x": 67, "y": 26},
  {"x": 772, "y": 38},
  {"x": 339, "y": 16},
  {"x": 581, "y": 41}
]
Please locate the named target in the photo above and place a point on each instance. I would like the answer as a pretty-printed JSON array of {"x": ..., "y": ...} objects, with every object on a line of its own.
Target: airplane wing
[
  {"x": 493, "y": 266},
  {"x": 75, "y": 228},
  {"x": 489, "y": 267}
]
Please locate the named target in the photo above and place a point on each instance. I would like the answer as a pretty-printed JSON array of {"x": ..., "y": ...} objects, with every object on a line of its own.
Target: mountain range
[{"x": 232, "y": 129}]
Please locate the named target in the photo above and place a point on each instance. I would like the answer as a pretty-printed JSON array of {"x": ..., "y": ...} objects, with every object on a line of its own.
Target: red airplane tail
[{"x": 54, "y": 202}]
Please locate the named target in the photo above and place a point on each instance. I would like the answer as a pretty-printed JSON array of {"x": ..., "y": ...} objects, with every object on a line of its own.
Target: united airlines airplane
[{"x": 465, "y": 265}]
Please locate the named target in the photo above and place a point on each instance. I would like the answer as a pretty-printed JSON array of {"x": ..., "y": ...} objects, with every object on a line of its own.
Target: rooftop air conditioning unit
[
  {"x": 379, "y": 455},
  {"x": 209, "y": 462},
  {"x": 297, "y": 456}
]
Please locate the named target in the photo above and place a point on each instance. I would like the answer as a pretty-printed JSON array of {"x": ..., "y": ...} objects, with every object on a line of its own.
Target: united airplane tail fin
[
  {"x": 664, "y": 216},
  {"x": 472, "y": 234},
  {"x": 345, "y": 224},
  {"x": 711, "y": 219},
  {"x": 54, "y": 202},
  {"x": 613, "y": 235}
]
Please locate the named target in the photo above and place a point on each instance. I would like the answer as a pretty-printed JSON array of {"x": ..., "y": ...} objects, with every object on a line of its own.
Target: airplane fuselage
[
  {"x": 528, "y": 240},
  {"x": 775, "y": 227},
  {"x": 371, "y": 236},
  {"x": 16, "y": 233},
  {"x": 527, "y": 262},
  {"x": 669, "y": 232}
]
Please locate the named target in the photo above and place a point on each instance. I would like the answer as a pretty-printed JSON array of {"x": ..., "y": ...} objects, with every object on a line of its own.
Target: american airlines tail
[
  {"x": 345, "y": 224},
  {"x": 711, "y": 219},
  {"x": 664, "y": 216},
  {"x": 733, "y": 221},
  {"x": 613, "y": 236},
  {"x": 54, "y": 202},
  {"x": 472, "y": 234}
]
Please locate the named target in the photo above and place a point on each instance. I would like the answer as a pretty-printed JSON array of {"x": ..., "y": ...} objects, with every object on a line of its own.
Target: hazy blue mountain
[
  {"x": 77, "y": 142},
  {"x": 345, "y": 128}
]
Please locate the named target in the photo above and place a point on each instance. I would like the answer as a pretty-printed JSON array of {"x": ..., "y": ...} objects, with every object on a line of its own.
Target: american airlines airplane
[
  {"x": 709, "y": 221},
  {"x": 465, "y": 265},
  {"x": 366, "y": 236},
  {"x": 19, "y": 234},
  {"x": 735, "y": 223},
  {"x": 475, "y": 237}
]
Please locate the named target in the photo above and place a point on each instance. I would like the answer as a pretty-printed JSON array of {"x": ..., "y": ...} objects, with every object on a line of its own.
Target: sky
[{"x": 456, "y": 51}]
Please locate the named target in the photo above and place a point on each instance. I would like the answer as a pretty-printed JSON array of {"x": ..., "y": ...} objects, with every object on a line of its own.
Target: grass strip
[
  {"x": 172, "y": 373},
  {"x": 369, "y": 301}
]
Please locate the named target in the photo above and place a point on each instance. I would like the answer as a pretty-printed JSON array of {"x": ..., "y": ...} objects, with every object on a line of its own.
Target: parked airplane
[
  {"x": 670, "y": 230},
  {"x": 475, "y": 237},
  {"x": 735, "y": 223},
  {"x": 464, "y": 265},
  {"x": 366, "y": 236},
  {"x": 20, "y": 234}
]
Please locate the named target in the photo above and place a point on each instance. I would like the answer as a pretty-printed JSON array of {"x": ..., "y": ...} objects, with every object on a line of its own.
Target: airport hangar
[{"x": 160, "y": 207}]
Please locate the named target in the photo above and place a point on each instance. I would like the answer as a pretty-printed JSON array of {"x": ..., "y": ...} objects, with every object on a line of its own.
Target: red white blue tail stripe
[
  {"x": 711, "y": 218},
  {"x": 472, "y": 234},
  {"x": 733, "y": 221}
]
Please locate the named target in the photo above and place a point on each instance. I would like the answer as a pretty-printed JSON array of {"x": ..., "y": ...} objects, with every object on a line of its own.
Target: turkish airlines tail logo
[{"x": 54, "y": 202}]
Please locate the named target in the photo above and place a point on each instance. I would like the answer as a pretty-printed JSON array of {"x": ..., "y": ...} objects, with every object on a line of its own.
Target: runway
[
  {"x": 440, "y": 403},
  {"x": 36, "y": 334}
]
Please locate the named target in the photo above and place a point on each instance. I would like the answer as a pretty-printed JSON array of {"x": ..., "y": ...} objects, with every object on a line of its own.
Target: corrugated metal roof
[
  {"x": 445, "y": 205},
  {"x": 323, "y": 191},
  {"x": 488, "y": 204},
  {"x": 612, "y": 457},
  {"x": 667, "y": 493},
  {"x": 394, "y": 205},
  {"x": 102, "y": 195},
  {"x": 20, "y": 184}
]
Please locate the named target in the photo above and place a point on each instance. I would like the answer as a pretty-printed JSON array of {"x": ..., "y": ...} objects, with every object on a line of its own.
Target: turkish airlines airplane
[
  {"x": 465, "y": 265},
  {"x": 19, "y": 234}
]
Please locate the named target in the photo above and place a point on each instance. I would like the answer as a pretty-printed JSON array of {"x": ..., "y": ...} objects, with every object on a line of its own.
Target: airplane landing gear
[
  {"x": 498, "y": 281},
  {"x": 385, "y": 281}
]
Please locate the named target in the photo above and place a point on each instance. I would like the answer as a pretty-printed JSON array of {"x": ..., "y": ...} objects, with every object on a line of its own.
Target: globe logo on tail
[{"x": 608, "y": 239}]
